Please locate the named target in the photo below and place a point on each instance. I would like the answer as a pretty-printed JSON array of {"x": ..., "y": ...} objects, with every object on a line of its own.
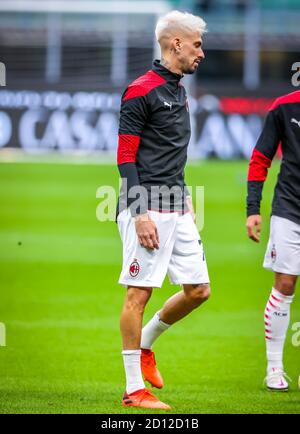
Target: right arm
[
  {"x": 260, "y": 162},
  {"x": 133, "y": 116}
]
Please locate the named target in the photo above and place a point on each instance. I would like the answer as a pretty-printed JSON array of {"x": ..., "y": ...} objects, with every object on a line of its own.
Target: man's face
[{"x": 191, "y": 53}]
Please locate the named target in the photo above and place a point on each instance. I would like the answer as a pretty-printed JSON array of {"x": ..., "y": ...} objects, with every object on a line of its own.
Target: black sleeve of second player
[
  {"x": 267, "y": 145},
  {"x": 254, "y": 197}
]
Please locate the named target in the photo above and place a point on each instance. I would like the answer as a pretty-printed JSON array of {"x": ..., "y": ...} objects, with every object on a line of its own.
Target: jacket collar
[{"x": 165, "y": 73}]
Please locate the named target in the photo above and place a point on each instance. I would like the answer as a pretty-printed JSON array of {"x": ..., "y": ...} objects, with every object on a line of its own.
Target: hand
[
  {"x": 146, "y": 231},
  {"x": 254, "y": 222}
]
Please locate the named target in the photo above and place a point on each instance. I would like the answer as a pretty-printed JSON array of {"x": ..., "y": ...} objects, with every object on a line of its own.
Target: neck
[{"x": 171, "y": 64}]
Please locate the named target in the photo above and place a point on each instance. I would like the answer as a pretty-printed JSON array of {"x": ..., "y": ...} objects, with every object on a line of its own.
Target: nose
[{"x": 201, "y": 54}]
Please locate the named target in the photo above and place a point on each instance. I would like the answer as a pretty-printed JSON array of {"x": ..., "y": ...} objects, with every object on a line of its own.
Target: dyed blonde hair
[{"x": 176, "y": 20}]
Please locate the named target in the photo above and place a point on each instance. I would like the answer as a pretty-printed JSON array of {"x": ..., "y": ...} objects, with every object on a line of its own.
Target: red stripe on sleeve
[
  {"x": 258, "y": 167},
  {"x": 127, "y": 148}
]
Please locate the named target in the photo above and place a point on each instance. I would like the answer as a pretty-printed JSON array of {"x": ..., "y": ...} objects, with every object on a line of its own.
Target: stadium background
[{"x": 67, "y": 63}]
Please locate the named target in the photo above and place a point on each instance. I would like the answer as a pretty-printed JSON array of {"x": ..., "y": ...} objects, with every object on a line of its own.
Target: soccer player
[
  {"x": 159, "y": 235},
  {"x": 282, "y": 125}
]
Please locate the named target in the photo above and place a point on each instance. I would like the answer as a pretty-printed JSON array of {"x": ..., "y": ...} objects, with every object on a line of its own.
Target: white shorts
[
  {"x": 180, "y": 252},
  {"x": 283, "y": 251}
]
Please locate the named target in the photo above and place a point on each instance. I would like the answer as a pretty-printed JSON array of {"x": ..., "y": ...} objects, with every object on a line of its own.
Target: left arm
[{"x": 260, "y": 162}]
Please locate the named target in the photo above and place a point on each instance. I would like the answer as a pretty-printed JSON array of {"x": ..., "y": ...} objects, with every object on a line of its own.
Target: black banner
[{"x": 43, "y": 121}]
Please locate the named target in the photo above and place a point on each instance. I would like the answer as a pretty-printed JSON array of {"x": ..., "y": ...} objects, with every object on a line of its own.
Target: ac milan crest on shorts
[
  {"x": 283, "y": 251},
  {"x": 134, "y": 268},
  {"x": 273, "y": 254},
  {"x": 180, "y": 252}
]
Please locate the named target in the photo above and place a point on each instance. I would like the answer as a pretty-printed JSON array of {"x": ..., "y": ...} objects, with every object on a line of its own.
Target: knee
[
  {"x": 198, "y": 294},
  {"x": 136, "y": 301},
  {"x": 285, "y": 284}
]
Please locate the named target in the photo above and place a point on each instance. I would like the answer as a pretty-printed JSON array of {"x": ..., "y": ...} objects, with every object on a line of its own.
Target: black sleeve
[
  {"x": 133, "y": 116},
  {"x": 133, "y": 113},
  {"x": 129, "y": 172},
  {"x": 261, "y": 160},
  {"x": 254, "y": 197}
]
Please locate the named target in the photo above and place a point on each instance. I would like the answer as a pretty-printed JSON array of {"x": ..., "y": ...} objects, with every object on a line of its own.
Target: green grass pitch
[{"x": 60, "y": 300}]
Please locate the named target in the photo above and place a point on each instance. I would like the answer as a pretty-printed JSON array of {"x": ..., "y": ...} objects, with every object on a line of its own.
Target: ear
[{"x": 177, "y": 44}]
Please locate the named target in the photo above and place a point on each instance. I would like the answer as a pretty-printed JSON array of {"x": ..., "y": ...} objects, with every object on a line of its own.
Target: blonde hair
[{"x": 179, "y": 20}]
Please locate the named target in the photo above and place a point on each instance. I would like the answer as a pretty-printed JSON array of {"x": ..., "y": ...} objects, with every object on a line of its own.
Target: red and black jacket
[
  {"x": 282, "y": 126},
  {"x": 154, "y": 133}
]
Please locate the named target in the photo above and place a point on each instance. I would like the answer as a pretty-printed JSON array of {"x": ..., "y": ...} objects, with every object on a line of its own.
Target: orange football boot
[
  {"x": 149, "y": 369},
  {"x": 143, "y": 398}
]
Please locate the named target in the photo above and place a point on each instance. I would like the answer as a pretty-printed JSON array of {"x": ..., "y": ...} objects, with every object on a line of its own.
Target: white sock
[
  {"x": 277, "y": 318},
  {"x": 152, "y": 330},
  {"x": 132, "y": 364}
]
